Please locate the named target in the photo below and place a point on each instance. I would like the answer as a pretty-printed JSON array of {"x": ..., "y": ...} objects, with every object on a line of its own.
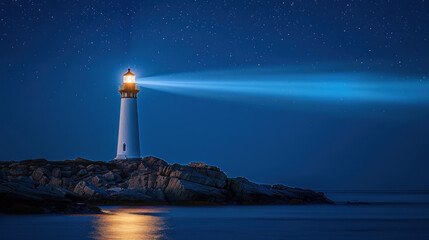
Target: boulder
[
  {"x": 247, "y": 192},
  {"x": 183, "y": 191},
  {"x": 161, "y": 182},
  {"x": 126, "y": 166},
  {"x": 204, "y": 176},
  {"x": 110, "y": 176},
  {"x": 90, "y": 167},
  {"x": 90, "y": 192},
  {"x": 55, "y": 181},
  {"x": 143, "y": 167},
  {"x": 99, "y": 181},
  {"x": 39, "y": 173},
  {"x": 56, "y": 172},
  {"x": 93, "y": 167},
  {"x": 203, "y": 165},
  {"x": 18, "y": 171},
  {"x": 155, "y": 163},
  {"x": 44, "y": 180},
  {"x": 81, "y": 173},
  {"x": 139, "y": 179}
]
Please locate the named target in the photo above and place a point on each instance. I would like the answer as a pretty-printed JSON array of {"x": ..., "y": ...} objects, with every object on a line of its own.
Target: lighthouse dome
[
  {"x": 129, "y": 77},
  {"x": 129, "y": 73}
]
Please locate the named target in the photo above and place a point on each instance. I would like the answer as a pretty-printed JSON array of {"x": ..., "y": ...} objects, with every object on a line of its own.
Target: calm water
[{"x": 396, "y": 216}]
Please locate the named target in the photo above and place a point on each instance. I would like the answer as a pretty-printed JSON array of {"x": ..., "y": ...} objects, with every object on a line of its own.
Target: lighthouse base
[{"x": 123, "y": 156}]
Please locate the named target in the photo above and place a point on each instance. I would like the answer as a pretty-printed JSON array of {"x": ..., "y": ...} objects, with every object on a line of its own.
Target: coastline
[{"x": 36, "y": 186}]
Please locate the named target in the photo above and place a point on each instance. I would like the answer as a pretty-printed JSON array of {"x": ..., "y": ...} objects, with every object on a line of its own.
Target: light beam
[{"x": 330, "y": 87}]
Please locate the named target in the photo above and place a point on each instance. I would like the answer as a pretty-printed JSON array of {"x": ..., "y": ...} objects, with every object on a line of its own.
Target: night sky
[{"x": 62, "y": 61}]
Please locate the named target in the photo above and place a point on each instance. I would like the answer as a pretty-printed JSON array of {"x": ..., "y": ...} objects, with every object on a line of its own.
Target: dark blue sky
[{"x": 61, "y": 63}]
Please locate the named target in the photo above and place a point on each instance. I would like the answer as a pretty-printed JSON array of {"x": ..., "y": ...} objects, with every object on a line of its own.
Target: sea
[{"x": 356, "y": 215}]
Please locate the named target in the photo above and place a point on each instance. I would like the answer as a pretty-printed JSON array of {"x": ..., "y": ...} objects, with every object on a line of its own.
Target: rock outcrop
[
  {"x": 24, "y": 195},
  {"x": 138, "y": 181}
]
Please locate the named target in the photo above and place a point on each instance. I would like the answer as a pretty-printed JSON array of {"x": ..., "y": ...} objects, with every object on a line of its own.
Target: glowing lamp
[{"x": 129, "y": 77}]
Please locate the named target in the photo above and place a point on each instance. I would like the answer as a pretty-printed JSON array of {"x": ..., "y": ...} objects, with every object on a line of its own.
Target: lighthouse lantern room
[{"x": 128, "y": 139}]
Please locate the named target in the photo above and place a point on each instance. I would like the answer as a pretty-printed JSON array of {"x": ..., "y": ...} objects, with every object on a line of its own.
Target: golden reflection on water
[{"x": 130, "y": 223}]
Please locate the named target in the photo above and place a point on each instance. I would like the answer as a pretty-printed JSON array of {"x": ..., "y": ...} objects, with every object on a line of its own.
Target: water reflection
[{"x": 130, "y": 223}]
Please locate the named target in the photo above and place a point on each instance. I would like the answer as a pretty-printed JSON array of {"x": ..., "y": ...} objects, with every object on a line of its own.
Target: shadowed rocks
[{"x": 24, "y": 195}]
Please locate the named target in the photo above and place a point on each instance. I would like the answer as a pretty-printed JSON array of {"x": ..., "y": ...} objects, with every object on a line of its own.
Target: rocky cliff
[{"x": 72, "y": 184}]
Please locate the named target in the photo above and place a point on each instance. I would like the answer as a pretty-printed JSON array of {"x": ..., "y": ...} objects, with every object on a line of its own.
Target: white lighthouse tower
[{"x": 128, "y": 139}]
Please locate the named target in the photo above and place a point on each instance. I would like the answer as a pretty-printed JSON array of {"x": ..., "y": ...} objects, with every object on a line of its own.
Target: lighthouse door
[{"x": 124, "y": 146}]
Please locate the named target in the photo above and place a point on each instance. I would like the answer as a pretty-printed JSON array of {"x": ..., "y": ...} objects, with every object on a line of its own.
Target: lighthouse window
[{"x": 124, "y": 146}]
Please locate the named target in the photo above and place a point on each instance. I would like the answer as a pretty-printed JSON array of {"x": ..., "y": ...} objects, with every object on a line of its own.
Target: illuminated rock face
[
  {"x": 128, "y": 139},
  {"x": 147, "y": 180}
]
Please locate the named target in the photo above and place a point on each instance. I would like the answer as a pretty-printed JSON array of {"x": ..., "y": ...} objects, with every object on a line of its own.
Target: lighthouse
[{"x": 128, "y": 139}]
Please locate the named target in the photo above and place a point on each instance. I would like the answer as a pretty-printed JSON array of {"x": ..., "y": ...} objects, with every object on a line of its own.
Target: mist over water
[{"x": 285, "y": 84}]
